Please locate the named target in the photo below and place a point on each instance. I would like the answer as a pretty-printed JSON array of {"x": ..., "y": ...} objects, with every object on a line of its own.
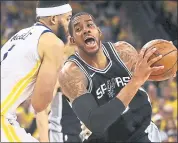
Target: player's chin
[{"x": 91, "y": 50}]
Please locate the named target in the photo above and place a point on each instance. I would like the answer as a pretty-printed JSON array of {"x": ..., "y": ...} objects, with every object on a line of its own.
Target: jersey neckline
[
  {"x": 96, "y": 69},
  {"x": 40, "y": 24}
]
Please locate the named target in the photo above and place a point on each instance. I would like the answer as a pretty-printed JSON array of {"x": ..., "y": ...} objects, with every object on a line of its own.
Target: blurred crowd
[
  {"x": 16, "y": 15},
  {"x": 166, "y": 15},
  {"x": 163, "y": 96}
]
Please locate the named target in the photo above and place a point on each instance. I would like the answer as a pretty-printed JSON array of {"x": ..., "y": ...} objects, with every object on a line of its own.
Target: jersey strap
[
  {"x": 39, "y": 24},
  {"x": 115, "y": 56}
]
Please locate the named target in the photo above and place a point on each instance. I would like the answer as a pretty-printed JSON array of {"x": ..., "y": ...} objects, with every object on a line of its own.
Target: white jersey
[{"x": 20, "y": 63}]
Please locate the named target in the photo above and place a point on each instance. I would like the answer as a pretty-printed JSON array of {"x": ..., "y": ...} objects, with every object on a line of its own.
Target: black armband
[{"x": 97, "y": 118}]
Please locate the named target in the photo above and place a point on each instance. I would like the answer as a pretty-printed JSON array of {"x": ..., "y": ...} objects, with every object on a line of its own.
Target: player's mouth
[{"x": 90, "y": 42}]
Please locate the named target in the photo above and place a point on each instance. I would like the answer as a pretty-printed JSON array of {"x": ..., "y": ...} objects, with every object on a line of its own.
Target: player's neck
[
  {"x": 98, "y": 61},
  {"x": 46, "y": 24}
]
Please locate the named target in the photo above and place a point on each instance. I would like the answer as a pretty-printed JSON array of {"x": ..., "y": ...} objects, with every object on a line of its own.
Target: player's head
[
  {"x": 85, "y": 33},
  {"x": 56, "y": 15}
]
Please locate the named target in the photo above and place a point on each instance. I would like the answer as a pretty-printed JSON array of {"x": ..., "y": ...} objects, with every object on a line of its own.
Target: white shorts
[{"x": 12, "y": 132}]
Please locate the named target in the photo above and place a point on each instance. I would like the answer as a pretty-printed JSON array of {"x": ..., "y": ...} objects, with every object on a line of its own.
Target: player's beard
[{"x": 61, "y": 33}]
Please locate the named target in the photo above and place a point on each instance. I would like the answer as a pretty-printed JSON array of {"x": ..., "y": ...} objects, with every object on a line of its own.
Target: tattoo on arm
[
  {"x": 73, "y": 82},
  {"x": 127, "y": 53}
]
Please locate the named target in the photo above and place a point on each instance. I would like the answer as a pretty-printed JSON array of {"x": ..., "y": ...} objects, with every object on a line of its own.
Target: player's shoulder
[
  {"x": 122, "y": 43},
  {"x": 50, "y": 39},
  {"x": 71, "y": 69},
  {"x": 49, "y": 43},
  {"x": 118, "y": 44},
  {"x": 69, "y": 66}
]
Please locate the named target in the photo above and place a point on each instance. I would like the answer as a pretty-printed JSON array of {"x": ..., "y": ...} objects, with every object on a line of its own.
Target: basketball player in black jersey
[{"x": 105, "y": 95}]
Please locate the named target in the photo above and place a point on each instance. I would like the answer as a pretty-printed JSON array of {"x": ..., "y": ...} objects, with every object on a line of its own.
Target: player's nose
[{"x": 86, "y": 30}]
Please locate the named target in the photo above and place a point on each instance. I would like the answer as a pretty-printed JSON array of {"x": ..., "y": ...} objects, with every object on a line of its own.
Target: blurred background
[{"x": 132, "y": 21}]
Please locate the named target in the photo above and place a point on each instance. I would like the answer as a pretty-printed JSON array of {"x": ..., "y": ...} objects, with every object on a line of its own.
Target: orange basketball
[{"x": 169, "y": 59}]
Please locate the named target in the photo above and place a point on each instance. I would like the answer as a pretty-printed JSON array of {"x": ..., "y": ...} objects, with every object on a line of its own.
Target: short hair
[
  {"x": 72, "y": 19},
  {"x": 45, "y": 4}
]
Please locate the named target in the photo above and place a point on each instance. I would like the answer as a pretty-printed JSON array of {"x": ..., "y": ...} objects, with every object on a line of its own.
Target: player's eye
[
  {"x": 90, "y": 24},
  {"x": 77, "y": 29}
]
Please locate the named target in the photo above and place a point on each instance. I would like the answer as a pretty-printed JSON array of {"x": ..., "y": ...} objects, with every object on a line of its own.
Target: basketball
[{"x": 169, "y": 59}]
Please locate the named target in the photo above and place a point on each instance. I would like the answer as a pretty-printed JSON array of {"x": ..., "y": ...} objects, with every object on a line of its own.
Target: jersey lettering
[
  {"x": 21, "y": 36},
  {"x": 110, "y": 85}
]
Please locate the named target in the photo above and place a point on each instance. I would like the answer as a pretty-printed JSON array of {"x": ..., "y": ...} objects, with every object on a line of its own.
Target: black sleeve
[{"x": 97, "y": 118}]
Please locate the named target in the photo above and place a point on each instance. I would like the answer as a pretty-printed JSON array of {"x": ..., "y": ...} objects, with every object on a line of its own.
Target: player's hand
[
  {"x": 143, "y": 68},
  {"x": 85, "y": 132}
]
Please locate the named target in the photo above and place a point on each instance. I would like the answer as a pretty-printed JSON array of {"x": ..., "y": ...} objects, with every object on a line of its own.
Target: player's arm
[
  {"x": 42, "y": 120},
  {"x": 42, "y": 125},
  {"x": 98, "y": 118},
  {"x": 127, "y": 53},
  {"x": 50, "y": 49}
]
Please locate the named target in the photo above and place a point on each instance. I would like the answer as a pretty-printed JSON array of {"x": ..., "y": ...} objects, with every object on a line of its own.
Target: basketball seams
[
  {"x": 163, "y": 55},
  {"x": 169, "y": 68},
  {"x": 166, "y": 71},
  {"x": 167, "y": 50},
  {"x": 156, "y": 43},
  {"x": 153, "y": 46}
]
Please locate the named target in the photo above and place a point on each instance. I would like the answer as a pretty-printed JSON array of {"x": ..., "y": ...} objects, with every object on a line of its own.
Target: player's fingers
[
  {"x": 154, "y": 60},
  {"x": 149, "y": 53},
  {"x": 174, "y": 75},
  {"x": 142, "y": 52},
  {"x": 86, "y": 132},
  {"x": 140, "y": 56},
  {"x": 154, "y": 69},
  {"x": 171, "y": 42},
  {"x": 83, "y": 127}
]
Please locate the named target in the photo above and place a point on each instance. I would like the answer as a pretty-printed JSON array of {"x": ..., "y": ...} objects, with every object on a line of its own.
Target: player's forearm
[
  {"x": 97, "y": 118},
  {"x": 42, "y": 125},
  {"x": 43, "y": 95},
  {"x": 129, "y": 91},
  {"x": 39, "y": 104}
]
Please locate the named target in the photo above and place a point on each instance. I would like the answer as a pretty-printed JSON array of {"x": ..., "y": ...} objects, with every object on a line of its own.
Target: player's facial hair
[{"x": 61, "y": 33}]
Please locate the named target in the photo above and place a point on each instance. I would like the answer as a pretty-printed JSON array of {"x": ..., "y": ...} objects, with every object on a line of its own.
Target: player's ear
[
  {"x": 53, "y": 19},
  {"x": 101, "y": 34},
  {"x": 72, "y": 40}
]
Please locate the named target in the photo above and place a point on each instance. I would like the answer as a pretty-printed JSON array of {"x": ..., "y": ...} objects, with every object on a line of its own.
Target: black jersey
[{"x": 105, "y": 84}]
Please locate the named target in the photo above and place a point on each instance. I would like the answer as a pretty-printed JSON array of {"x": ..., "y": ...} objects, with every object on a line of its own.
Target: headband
[{"x": 51, "y": 11}]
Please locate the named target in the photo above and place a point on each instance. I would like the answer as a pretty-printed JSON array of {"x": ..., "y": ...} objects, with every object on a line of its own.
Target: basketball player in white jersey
[
  {"x": 58, "y": 123},
  {"x": 30, "y": 61}
]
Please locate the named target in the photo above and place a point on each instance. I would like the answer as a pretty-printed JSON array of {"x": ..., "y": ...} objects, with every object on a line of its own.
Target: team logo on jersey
[{"x": 110, "y": 85}]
